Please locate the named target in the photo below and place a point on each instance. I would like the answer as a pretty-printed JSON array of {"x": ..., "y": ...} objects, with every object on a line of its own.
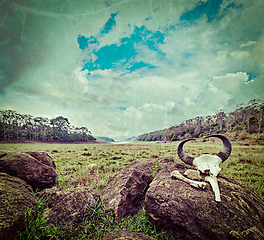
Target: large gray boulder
[
  {"x": 16, "y": 198},
  {"x": 125, "y": 191},
  {"x": 28, "y": 168},
  {"x": 192, "y": 213},
  {"x": 65, "y": 208}
]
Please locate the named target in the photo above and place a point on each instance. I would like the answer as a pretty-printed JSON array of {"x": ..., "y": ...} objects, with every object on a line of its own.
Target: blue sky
[{"x": 126, "y": 67}]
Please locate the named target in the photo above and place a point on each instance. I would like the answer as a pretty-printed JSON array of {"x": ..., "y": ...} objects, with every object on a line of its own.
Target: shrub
[{"x": 244, "y": 136}]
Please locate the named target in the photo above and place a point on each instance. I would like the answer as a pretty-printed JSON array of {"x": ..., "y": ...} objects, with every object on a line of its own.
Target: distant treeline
[
  {"x": 246, "y": 118},
  {"x": 19, "y": 127}
]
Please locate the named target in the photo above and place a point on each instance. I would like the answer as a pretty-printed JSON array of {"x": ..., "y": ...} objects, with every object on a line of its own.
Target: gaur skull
[{"x": 208, "y": 163}]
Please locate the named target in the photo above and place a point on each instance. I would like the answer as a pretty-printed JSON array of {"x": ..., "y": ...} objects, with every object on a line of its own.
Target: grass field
[{"x": 245, "y": 164}]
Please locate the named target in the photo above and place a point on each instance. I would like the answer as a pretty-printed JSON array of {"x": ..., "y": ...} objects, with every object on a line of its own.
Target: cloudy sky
[{"x": 126, "y": 67}]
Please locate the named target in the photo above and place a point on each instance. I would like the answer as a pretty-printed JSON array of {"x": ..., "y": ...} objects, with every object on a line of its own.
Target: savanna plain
[{"x": 245, "y": 164}]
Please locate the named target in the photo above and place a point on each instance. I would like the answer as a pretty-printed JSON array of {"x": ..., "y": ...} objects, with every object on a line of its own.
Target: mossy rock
[{"x": 16, "y": 197}]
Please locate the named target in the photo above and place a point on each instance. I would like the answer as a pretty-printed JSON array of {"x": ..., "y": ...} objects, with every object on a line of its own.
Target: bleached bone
[
  {"x": 193, "y": 183},
  {"x": 208, "y": 162},
  {"x": 214, "y": 183}
]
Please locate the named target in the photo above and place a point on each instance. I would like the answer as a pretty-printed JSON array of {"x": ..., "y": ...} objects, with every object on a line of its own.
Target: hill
[
  {"x": 246, "y": 119},
  {"x": 104, "y": 139}
]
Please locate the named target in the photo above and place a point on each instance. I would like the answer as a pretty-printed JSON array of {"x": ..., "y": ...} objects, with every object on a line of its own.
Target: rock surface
[
  {"x": 52, "y": 196},
  {"x": 249, "y": 234},
  {"x": 193, "y": 174},
  {"x": 125, "y": 235},
  {"x": 193, "y": 213},
  {"x": 15, "y": 198},
  {"x": 67, "y": 208},
  {"x": 43, "y": 157},
  {"x": 125, "y": 190},
  {"x": 29, "y": 169}
]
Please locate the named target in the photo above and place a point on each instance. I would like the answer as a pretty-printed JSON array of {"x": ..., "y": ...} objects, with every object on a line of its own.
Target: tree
[
  {"x": 260, "y": 114},
  {"x": 60, "y": 126},
  {"x": 15, "y": 126},
  {"x": 29, "y": 123},
  {"x": 220, "y": 118}
]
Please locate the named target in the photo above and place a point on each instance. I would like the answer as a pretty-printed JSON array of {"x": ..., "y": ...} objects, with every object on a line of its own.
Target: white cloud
[
  {"x": 136, "y": 120},
  {"x": 188, "y": 102},
  {"x": 80, "y": 75},
  {"x": 230, "y": 82},
  {"x": 200, "y": 69},
  {"x": 249, "y": 43},
  {"x": 239, "y": 54}
]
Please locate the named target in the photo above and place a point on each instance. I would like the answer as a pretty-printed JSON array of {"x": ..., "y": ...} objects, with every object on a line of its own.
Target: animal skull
[{"x": 208, "y": 162}]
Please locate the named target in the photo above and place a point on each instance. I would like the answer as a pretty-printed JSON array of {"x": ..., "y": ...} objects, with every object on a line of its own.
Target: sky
[{"x": 122, "y": 68}]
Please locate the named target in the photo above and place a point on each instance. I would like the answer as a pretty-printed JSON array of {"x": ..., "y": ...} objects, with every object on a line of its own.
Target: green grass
[
  {"x": 36, "y": 225},
  {"x": 245, "y": 164},
  {"x": 97, "y": 222}
]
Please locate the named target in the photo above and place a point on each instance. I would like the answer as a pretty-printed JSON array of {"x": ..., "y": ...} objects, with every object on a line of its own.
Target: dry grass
[
  {"x": 92, "y": 165},
  {"x": 245, "y": 164}
]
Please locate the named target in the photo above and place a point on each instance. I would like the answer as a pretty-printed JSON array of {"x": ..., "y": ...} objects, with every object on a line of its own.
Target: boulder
[
  {"x": 125, "y": 235},
  {"x": 51, "y": 196},
  {"x": 43, "y": 157},
  {"x": 29, "y": 169},
  {"x": 16, "y": 198},
  {"x": 125, "y": 190},
  {"x": 192, "y": 213},
  {"x": 249, "y": 234},
  {"x": 67, "y": 208}
]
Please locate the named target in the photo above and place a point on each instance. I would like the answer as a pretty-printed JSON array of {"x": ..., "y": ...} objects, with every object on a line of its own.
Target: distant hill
[
  {"x": 246, "y": 119},
  {"x": 104, "y": 139},
  {"x": 132, "y": 139}
]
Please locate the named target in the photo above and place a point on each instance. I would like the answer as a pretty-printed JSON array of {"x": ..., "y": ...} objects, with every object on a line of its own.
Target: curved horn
[
  {"x": 184, "y": 157},
  {"x": 227, "y": 147}
]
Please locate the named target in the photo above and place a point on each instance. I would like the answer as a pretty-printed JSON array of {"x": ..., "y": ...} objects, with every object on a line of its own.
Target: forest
[
  {"x": 20, "y": 127},
  {"x": 245, "y": 119}
]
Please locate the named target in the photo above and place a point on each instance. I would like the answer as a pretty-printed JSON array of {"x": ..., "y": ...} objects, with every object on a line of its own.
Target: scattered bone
[
  {"x": 193, "y": 183},
  {"x": 213, "y": 181},
  {"x": 192, "y": 174}
]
